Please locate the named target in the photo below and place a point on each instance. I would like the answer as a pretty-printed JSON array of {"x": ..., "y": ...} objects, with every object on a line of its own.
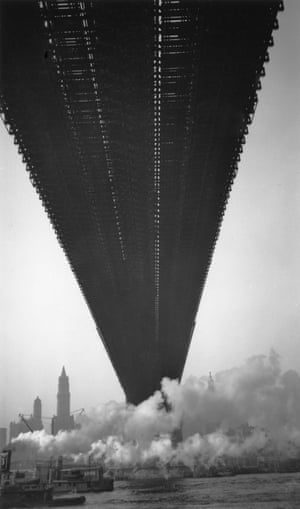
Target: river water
[{"x": 261, "y": 491}]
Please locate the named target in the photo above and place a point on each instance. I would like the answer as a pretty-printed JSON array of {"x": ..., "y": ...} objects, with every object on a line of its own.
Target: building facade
[
  {"x": 3, "y": 438},
  {"x": 63, "y": 420},
  {"x": 28, "y": 423}
]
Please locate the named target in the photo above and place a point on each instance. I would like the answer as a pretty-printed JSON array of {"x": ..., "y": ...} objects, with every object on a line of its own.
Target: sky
[{"x": 251, "y": 302}]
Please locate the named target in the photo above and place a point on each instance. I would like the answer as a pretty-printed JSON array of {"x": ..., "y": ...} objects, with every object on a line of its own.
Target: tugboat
[
  {"x": 80, "y": 478},
  {"x": 30, "y": 493}
]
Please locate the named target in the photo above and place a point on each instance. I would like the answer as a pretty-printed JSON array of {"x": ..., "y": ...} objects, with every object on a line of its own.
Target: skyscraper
[
  {"x": 32, "y": 422},
  {"x": 37, "y": 409},
  {"x": 63, "y": 421}
]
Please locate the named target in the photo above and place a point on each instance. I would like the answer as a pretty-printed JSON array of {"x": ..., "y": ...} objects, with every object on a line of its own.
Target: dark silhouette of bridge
[{"x": 131, "y": 118}]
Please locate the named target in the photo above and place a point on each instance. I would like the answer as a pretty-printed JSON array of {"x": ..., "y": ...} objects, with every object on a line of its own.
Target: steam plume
[{"x": 247, "y": 409}]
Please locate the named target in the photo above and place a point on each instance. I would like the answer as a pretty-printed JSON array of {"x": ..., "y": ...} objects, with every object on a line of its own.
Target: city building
[
  {"x": 63, "y": 420},
  {"x": 26, "y": 423},
  {"x": 3, "y": 438}
]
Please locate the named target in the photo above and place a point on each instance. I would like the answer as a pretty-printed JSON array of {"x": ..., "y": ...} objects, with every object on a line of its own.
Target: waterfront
[{"x": 255, "y": 491}]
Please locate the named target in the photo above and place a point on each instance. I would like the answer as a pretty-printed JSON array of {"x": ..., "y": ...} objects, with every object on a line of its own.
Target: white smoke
[{"x": 247, "y": 409}]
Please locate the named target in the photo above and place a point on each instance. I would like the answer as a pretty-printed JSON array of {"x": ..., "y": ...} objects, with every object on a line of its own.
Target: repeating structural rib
[{"x": 131, "y": 118}]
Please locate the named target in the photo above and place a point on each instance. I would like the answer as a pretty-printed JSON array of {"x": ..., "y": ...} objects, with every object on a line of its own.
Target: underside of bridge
[{"x": 131, "y": 118}]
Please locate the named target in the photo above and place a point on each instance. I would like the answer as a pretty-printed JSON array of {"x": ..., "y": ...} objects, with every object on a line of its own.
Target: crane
[
  {"x": 25, "y": 422},
  {"x": 80, "y": 410}
]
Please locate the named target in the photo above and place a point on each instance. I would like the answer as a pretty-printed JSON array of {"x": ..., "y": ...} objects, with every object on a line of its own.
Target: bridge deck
[{"x": 131, "y": 117}]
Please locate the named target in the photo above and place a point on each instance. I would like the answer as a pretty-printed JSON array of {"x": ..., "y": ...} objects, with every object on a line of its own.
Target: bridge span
[{"x": 131, "y": 117}]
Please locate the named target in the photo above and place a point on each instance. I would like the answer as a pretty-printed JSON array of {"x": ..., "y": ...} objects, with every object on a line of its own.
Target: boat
[
  {"x": 20, "y": 496},
  {"x": 13, "y": 495},
  {"x": 65, "y": 501},
  {"x": 66, "y": 478},
  {"x": 17, "y": 492},
  {"x": 34, "y": 496},
  {"x": 82, "y": 479}
]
